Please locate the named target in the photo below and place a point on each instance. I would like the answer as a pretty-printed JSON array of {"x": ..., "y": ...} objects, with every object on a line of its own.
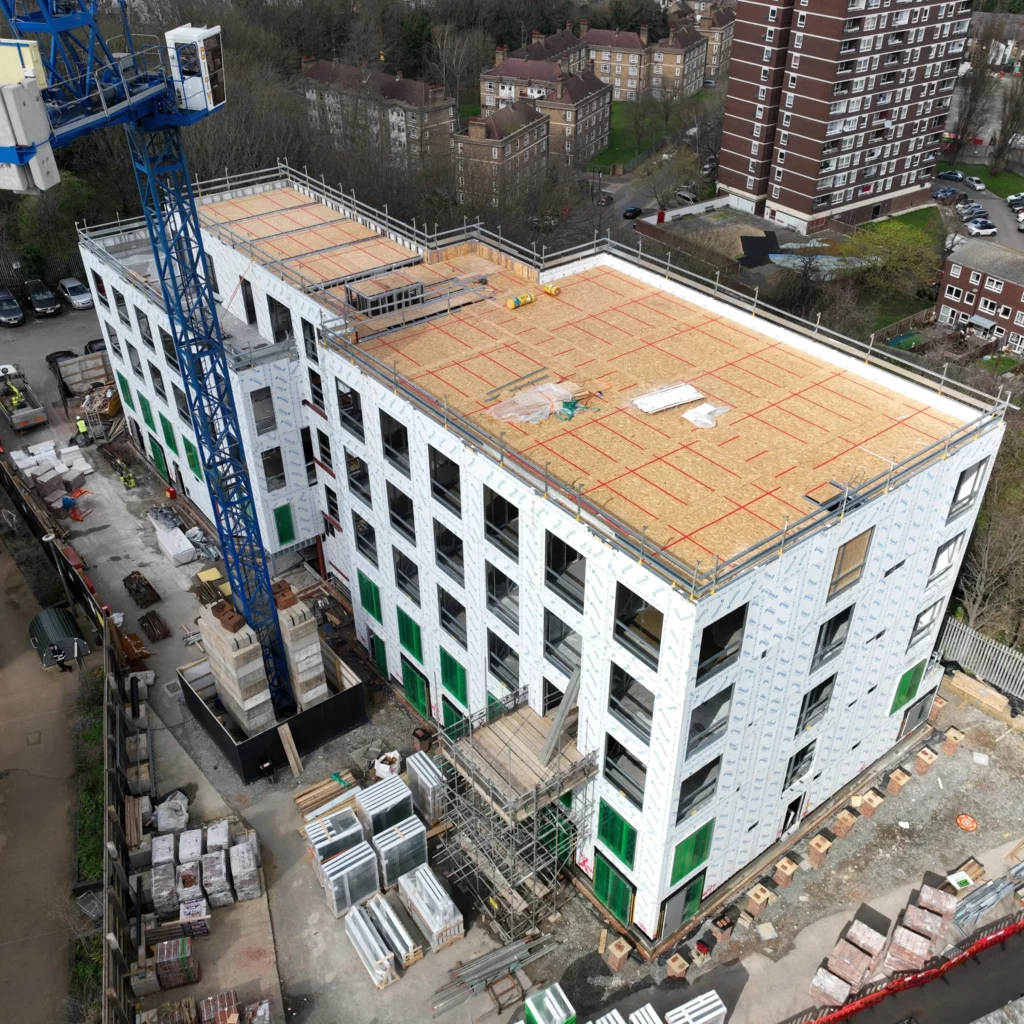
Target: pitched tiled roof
[
  {"x": 991, "y": 258},
  {"x": 683, "y": 39},
  {"x": 351, "y": 78},
  {"x": 509, "y": 120},
  {"x": 516, "y": 67},
  {"x": 613, "y": 38},
  {"x": 550, "y": 48},
  {"x": 722, "y": 17},
  {"x": 577, "y": 88}
]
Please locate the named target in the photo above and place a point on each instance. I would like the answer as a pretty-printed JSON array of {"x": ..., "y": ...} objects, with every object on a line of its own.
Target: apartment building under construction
[{"x": 666, "y": 574}]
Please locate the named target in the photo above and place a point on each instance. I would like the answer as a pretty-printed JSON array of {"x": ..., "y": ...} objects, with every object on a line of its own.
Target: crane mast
[{"x": 60, "y": 80}]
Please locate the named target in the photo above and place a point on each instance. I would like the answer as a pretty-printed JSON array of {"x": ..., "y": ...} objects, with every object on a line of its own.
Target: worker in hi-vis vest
[{"x": 83, "y": 427}]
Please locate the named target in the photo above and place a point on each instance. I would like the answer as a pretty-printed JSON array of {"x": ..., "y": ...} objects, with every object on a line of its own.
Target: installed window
[
  {"x": 565, "y": 571},
  {"x": 799, "y": 765},
  {"x": 924, "y": 623},
  {"x": 502, "y": 660},
  {"x": 263, "y": 414},
  {"x": 273, "y": 469},
  {"x": 144, "y": 329},
  {"x": 407, "y": 575},
  {"x": 709, "y": 722},
  {"x": 698, "y": 789},
  {"x": 158, "y": 381},
  {"x": 832, "y": 637},
  {"x": 624, "y": 772},
  {"x": 332, "y": 502},
  {"x": 503, "y": 596},
  {"x": 563, "y": 646},
  {"x": 637, "y": 625},
  {"x": 350, "y": 409},
  {"x": 401, "y": 512},
  {"x": 448, "y": 552},
  {"x": 133, "y": 358},
  {"x": 358, "y": 473},
  {"x": 452, "y": 615},
  {"x": 501, "y": 523},
  {"x": 170, "y": 352},
  {"x": 316, "y": 389},
  {"x": 181, "y": 404},
  {"x": 968, "y": 487},
  {"x": 815, "y": 704},
  {"x": 850, "y": 561},
  {"x": 945, "y": 558},
  {"x": 445, "y": 480},
  {"x": 324, "y": 444},
  {"x": 395, "y": 440},
  {"x": 366, "y": 537},
  {"x": 631, "y": 703},
  {"x": 721, "y": 642}
]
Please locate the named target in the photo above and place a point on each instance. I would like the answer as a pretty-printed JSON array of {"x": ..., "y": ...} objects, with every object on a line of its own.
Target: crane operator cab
[{"x": 197, "y": 67}]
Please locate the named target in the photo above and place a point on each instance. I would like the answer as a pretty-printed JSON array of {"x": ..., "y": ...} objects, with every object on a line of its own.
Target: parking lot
[{"x": 999, "y": 213}]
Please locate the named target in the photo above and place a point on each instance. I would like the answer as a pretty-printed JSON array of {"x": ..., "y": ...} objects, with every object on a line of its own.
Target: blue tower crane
[{"x": 60, "y": 80}]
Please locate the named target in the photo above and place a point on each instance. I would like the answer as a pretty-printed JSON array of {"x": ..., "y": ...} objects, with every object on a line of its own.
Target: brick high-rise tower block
[{"x": 836, "y": 108}]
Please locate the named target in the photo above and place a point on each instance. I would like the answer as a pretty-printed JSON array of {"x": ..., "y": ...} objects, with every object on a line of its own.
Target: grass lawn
[
  {"x": 999, "y": 184},
  {"x": 622, "y": 139},
  {"x": 896, "y": 308},
  {"x": 469, "y": 110},
  {"x": 999, "y": 364},
  {"x": 928, "y": 219}
]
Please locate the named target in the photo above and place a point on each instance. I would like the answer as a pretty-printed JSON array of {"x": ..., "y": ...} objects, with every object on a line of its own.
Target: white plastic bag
[{"x": 172, "y": 814}]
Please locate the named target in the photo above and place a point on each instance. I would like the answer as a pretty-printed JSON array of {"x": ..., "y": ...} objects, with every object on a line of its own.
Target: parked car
[
  {"x": 709, "y": 168},
  {"x": 950, "y": 175},
  {"x": 77, "y": 295},
  {"x": 59, "y": 356},
  {"x": 632, "y": 212},
  {"x": 945, "y": 196},
  {"x": 96, "y": 345},
  {"x": 606, "y": 199},
  {"x": 965, "y": 200},
  {"x": 1015, "y": 197},
  {"x": 972, "y": 213},
  {"x": 686, "y": 196},
  {"x": 981, "y": 227},
  {"x": 11, "y": 314},
  {"x": 41, "y": 299},
  {"x": 1015, "y": 204},
  {"x": 976, "y": 183}
]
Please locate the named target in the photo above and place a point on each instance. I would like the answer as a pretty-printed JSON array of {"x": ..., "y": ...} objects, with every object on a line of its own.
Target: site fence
[{"x": 997, "y": 664}]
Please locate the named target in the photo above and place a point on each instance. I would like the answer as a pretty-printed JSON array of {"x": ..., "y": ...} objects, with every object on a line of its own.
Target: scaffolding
[{"x": 516, "y": 822}]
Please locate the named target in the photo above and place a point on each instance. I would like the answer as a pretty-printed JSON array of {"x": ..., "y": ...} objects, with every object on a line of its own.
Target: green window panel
[
  {"x": 379, "y": 653},
  {"x": 126, "y": 391},
  {"x": 557, "y": 833},
  {"x": 454, "y": 719},
  {"x": 147, "y": 412},
  {"x": 409, "y": 636},
  {"x": 369, "y": 596},
  {"x": 906, "y": 691},
  {"x": 612, "y": 888},
  {"x": 616, "y": 833},
  {"x": 285, "y": 524},
  {"x": 494, "y": 707},
  {"x": 158, "y": 458},
  {"x": 453, "y": 679},
  {"x": 414, "y": 685},
  {"x": 168, "y": 430},
  {"x": 193, "y": 458},
  {"x": 566, "y": 799},
  {"x": 694, "y": 892},
  {"x": 692, "y": 851}
]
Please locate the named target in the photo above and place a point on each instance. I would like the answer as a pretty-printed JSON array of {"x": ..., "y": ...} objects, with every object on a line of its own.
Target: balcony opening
[
  {"x": 400, "y": 508},
  {"x": 565, "y": 571},
  {"x": 452, "y": 615},
  {"x": 709, "y": 722},
  {"x": 631, "y": 703},
  {"x": 552, "y": 696},
  {"x": 502, "y": 661},
  {"x": 366, "y": 537},
  {"x": 324, "y": 444},
  {"x": 721, "y": 642},
  {"x": 358, "y": 473},
  {"x": 280, "y": 321},
  {"x": 624, "y": 772},
  {"x": 310, "y": 337},
  {"x": 501, "y": 523},
  {"x": 637, "y": 625},
  {"x": 307, "y": 453},
  {"x": 832, "y": 637},
  {"x": 350, "y": 409},
  {"x": 407, "y": 575},
  {"x": 563, "y": 646},
  {"x": 445, "y": 481},
  {"x": 247, "y": 302},
  {"x": 698, "y": 789},
  {"x": 815, "y": 704},
  {"x": 332, "y": 508},
  {"x": 395, "y": 441},
  {"x": 316, "y": 389},
  {"x": 503, "y": 596},
  {"x": 448, "y": 552},
  {"x": 273, "y": 469}
]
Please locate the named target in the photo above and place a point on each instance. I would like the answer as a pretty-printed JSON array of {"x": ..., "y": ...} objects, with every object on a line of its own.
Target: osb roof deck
[
  {"x": 283, "y": 225},
  {"x": 796, "y": 423}
]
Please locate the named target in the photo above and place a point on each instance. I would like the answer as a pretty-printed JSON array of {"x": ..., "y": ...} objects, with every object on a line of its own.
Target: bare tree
[
  {"x": 641, "y": 121},
  {"x": 974, "y": 97},
  {"x": 456, "y": 57},
  {"x": 1011, "y": 125},
  {"x": 660, "y": 178}
]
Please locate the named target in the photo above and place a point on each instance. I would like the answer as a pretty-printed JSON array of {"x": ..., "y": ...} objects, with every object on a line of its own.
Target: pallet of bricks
[{"x": 223, "y": 1008}]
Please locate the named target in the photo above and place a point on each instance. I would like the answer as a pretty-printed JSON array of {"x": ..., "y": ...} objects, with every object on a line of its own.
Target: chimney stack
[
  {"x": 499, "y": 55},
  {"x": 559, "y": 86},
  {"x": 477, "y": 128},
  {"x": 537, "y": 36},
  {"x": 584, "y": 25},
  {"x": 643, "y": 34}
]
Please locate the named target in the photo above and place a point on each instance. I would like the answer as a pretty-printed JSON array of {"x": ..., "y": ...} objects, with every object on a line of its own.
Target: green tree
[{"x": 898, "y": 258}]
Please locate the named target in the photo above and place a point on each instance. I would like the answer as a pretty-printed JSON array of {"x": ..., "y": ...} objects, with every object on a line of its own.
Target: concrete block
[
  {"x": 951, "y": 744},
  {"x": 844, "y": 822},
  {"x": 618, "y": 954},
  {"x": 284, "y": 601},
  {"x": 828, "y": 990},
  {"x": 924, "y": 922},
  {"x": 757, "y": 900},
  {"x": 898, "y": 778},
  {"x": 785, "y": 869},
  {"x": 865, "y": 937},
  {"x": 72, "y": 480},
  {"x": 848, "y": 962},
  {"x": 870, "y": 802},
  {"x": 722, "y": 927},
  {"x": 677, "y": 966},
  {"x": 937, "y": 901},
  {"x": 817, "y": 850},
  {"x": 926, "y": 757},
  {"x": 938, "y": 703},
  {"x": 908, "y": 951}
]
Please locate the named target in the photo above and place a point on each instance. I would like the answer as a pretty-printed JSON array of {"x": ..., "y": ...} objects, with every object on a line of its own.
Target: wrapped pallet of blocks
[
  {"x": 549, "y": 1006},
  {"x": 216, "y": 881},
  {"x": 400, "y": 849},
  {"x": 176, "y": 963},
  {"x": 165, "y": 895},
  {"x": 378, "y": 960},
  {"x": 223, "y": 1002},
  {"x": 257, "y": 1013},
  {"x": 245, "y": 873},
  {"x": 427, "y": 785},
  {"x": 384, "y": 803},
  {"x": 302, "y": 652},
  {"x": 188, "y": 882},
  {"x": 350, "y": 877},
  {"x": 431, "y": 907}
]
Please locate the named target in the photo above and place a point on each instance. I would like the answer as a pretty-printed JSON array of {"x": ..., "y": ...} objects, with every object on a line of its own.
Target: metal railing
[{"x": 997, "y": 664}]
